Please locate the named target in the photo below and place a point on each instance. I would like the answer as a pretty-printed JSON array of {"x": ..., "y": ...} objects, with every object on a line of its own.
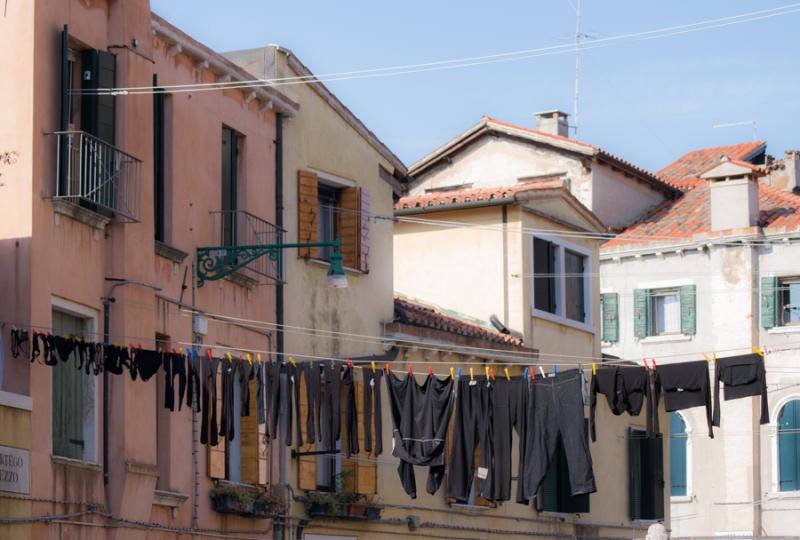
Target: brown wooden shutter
[
  {"x": 307, "y": 210},
  {"x": 253, "y": 444},
  {"x": 216, "y": 454},
  {"x": 354, "y": 228},
  {"x": 366, "y": 465},
  {"x": 306, "y": 465}
]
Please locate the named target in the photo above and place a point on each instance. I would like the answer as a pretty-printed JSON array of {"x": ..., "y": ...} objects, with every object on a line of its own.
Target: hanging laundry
[
  {"x": 471, "y": 429},
  {"x": 744, "y": 376},
  {"x": 625, "y": 388},
  {"x": 261, "y": 405},
  {"x": 147, "y": 362},
  {"x": 274, "y": 397},
  {"x": 293, "y": 373},
  {"x": 227, "y": 426},
  {"x": 351, "y": 413},
  {"x": 330, "y": 419},
  {"x": 113, "y": 362},
  {"x": 420, "y": 418},
  {"x": 174, "y": 364},
  {"x": 64, "y": 347},
  {"x": 246, "y": 374},
  {"x": 18, "y": 338},
  {"x": 684, "y": 385},
  {"x": 311, "y": 376},
  {"x": 209, "y": 433},
  {"x": 508, "y": 409},
  {"x": 555, "y": 409},
  {"x": 373, "y": 410},
  {"x": 90, "y": 355},
  {"x": 193, "y": 382}
]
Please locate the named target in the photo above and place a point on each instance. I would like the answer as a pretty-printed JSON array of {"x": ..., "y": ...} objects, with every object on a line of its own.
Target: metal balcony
[
  {"x": 97, "y": 176},
  {"x": 243, "y": 229}
]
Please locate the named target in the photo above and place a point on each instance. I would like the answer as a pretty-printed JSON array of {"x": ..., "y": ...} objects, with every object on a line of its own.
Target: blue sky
[{"x": 648, "y": 101}]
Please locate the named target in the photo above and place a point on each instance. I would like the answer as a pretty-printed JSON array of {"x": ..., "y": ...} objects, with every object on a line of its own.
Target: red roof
[
  {"x": 690, "y": 216},
  {"x": 472, "y": 195},
  {"x": 684, "y": 172},
  {"x": 414, "y": 314}
]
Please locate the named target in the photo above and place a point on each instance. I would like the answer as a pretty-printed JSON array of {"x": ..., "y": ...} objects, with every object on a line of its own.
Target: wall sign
[{"x": 15, "y": 467}]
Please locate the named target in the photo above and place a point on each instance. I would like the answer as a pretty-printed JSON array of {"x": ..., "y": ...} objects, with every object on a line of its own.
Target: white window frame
[
  {"x": 689, "y": 497},
  {"x": 663, "y": 292},
  {"x": 781, "y": 324},
  {"x": 667, "y": 284},
  {"x": 561, "y": 296},
  {"x": 92, "y": 437},
  {"x": 775, "y": 492}
]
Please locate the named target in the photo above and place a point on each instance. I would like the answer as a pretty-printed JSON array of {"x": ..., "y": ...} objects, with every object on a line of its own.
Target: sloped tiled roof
[
  {"x": 471, "y": 195},
  {"x": 415, "y": 314},
  {"x": 690, "y": 217},
  {"x": 684, "y": 172}
]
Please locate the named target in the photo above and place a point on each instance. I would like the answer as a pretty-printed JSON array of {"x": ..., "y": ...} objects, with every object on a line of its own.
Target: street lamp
[{"x": 336, "y": 277}]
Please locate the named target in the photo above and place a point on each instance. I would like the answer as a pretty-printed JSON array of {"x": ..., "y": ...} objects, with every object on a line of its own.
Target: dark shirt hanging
[
  {"x": 625, "y": 388},
  {"x": 227, "y": 426},
  {"x": 193, "y": 382},
  {"x": 744, "y": 376},
  {"x": 685, "y": 385}
]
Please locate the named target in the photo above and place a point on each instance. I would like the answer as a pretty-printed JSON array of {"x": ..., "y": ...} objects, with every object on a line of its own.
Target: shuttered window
[
  {"x": 159, "y": 149},
  {"x": 780, "y": 301},
  {"x": 609, "y": 308},
  {"x": 326, "y": 212},
  {"x": 646, "y": 475},
  {"x": 678, "y": 456},
  {"x": 231, "y": 142},
  {"x": 556, "y": 491},
  {"x": 663, "y": 312},
  {"x": 544, "y": 279},
  {"x": 74, "y": 398},
  {"x": 789, "y": 447},
  {"x": 98, "y": 111}
]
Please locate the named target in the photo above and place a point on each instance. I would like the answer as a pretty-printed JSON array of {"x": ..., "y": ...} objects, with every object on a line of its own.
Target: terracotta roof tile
[
  {"x": 684, "y": 172},
  {"x": 474, "y": 195},
  {"x": 414, "y": 314}
]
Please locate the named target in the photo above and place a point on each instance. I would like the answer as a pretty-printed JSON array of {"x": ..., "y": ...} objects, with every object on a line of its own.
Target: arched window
[
  {"x": 789, "y": 447},
  {"x": 678, "y": 456}
]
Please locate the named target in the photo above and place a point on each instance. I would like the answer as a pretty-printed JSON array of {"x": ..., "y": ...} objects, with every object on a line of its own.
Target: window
[
  {"x": 668, "y": 311},
  {"x": 74, "y": 396},
  {"x": 159, "y": 149},
  {"x": 561, "y": 281},
  {"x": 678, "y": 456},
  {"x": 230, "y": 180},
  {"x": 789, "y": 447},
  {"x": 328, "y": 198},
  {"x": 646, "y": 475},
  {"x": 790, "y": 301},
  {"x": 609, "y": 320},
  {"x": 556, "y": 491}
]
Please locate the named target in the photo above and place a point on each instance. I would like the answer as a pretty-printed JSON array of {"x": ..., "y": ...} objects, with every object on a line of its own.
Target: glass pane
[
  {"x": 574, "y": 285},
  {"x": 790, "y": 306},
  {"x": 544, "y": 284},
  {"x": 667, "y": 313}
]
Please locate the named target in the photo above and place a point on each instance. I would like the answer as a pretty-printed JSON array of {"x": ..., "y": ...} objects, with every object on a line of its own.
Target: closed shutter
[
  {"x": 307, "y": 210},
  {"x": 306, "y": 465},
  {"x": 216, "y": 454},
  {"x": 769, "y": 302},
  {"x": 641, "y": 313},
  {"x": 253, "y": 443},
  {"x": 789, "y": 447},
  {"x": 98, "y": 111},
  {"x": 688, "y": 310},
  {"x": 354, "y": 228},
  {"x": 635, "y": 473},
  {"x": 677, "y": 455},
  {"x": 67, "y": 411},
  {"x": 610, "y": 307},
  {"x": 544, "y": 281}
]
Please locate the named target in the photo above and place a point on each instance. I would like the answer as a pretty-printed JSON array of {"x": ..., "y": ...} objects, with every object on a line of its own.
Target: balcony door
[{"x": 230, "y": 177}]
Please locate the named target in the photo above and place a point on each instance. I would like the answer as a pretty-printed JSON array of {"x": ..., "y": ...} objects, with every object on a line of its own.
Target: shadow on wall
[{"x": 15, "y": 292}]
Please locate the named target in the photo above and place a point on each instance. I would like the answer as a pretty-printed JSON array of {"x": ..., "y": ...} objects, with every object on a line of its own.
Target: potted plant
[
  {"x": 267, "y": 504},
  {"x": 231, "y": 499},
  {"x": 322, "y": 503}
]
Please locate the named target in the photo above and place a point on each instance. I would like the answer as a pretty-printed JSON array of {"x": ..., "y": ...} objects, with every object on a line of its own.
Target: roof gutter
[{"x": 456, "y": 206}]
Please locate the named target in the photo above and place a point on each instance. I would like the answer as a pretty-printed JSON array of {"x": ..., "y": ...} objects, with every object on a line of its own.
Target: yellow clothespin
[
  {"x": 373, "y": 366},
  {"x": 472, "y": 374},
  {"x": 229, "y": 356},
  {"x": 291, "y": 361},
  {"x": 508, "y": 375},
  {"x": 123, "y": 345},
  {"x": 486, "y": 369},
  {"x": 258, "y": 358},
  {"x": 115, "y": 344},
  {"x": 180, "y": 349},
  {"x": 594, "y": 368},
  {"x": 708, "y": 358},
  {"x": 452, "y": 372},
  {"x": 758, "y": 351},
  {"x": 249, "y": 358},
  {"x": 715, "y": 358}
]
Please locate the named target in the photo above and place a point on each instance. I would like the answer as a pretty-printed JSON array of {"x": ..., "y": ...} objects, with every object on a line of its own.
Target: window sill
[
  {"x": 79, "y": 213},
  {"x": 326, "y": 264},
  {"x": 558, "y": 319},
  {"x": 666, "y": 339},
  {"x": 474, "y": 507},
  {"x": 172, "y": 253},
  {"x": 76, "y": 463},
  {"x": 243, "y": 280},
  {"x": 171, "y": 499},
  {"x": 793, "y": 329},
  {"x": 16, "y": 401},
  {"x": 783, "y": 495},
  {"x": 681, "y": 499}
]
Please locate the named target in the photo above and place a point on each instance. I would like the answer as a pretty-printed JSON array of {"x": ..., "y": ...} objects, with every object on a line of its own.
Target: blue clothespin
[
  {"x": 555, "y": 371},
  {"x": 195, "y": 354},
  {"x": 525, "y": 374},
  {"x": 458, "y": 373}
]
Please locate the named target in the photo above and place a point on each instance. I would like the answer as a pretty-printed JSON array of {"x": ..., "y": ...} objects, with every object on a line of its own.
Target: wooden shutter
[
  {"x": 366, "y": 465},
  {"x": 688, "y": 310},
  {"x": 307, "y": 210},
  {"x": 769, "y": 302},
  {"x": 216, "y": 454},
  {"x": 253, "y": 443},
  {"x": 610, "y": 308},
  {"x": 68, "y": 411},
  {"x": 641, "y": 313},
  {"x": 306, "y": 465},
  {"x": 354, "y": 227}
]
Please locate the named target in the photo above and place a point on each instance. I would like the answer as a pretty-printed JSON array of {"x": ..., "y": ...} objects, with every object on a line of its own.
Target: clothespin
[
  {"x": 258, "y": 358},
  {"x": 458, "y": 373},
  {"x": 452, "y": 372},
  {"x": 472, "y": 374},
  {"x": 646, "y": 366},
  {"x": 291, "y": 361},
  {"x": 555, "y": 371},
  {"x": 653, "y": 360},
  {"x": 208, "y": 353},
  {"x": 594, "y": 368},
  {"x": 525, "y": 374},
  {"x": 430, "y": 372},
  {"x": 758, "y": 351},
  {"x": 541, "y": 370},
  {"x": 486, "y": 369},
  {"x": 708, "y": 358},
  {"x": 347, "y": 362},
  {"x": 410, "y": 369},
  {"x": 715, "y": 358},
  {"x": 373, "y": 366},
  {"x": 229, "y": 356},
  {"x": 508, "y": 375},
  {"x": 241, "y": 358},
  {"x": 249, "y": 359},
  {"x": 180, "y": 350},
  {"x": 386, "y": 366}
]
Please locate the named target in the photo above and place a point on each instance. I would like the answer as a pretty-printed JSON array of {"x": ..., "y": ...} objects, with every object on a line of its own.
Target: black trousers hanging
[
  {"x": 330, "y": 418},
  {"x": 311, "y": 377},
  {"x": 227, "y": 427},
  {"x": 209, "y": 433},
  {"x": 508, "y": 404},
  {"x": 471, "y": 429},
  {"x": 373, "y": 410}
]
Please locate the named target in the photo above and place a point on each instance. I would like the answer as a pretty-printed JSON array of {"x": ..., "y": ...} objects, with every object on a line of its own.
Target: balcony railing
[
  {"x": 97, "y": 176},
  {"x": 241, "y": 228}
]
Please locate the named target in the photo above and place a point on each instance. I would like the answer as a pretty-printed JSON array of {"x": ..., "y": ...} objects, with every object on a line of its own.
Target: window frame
[
  {"x": 653, "y": 295},
  {"x": 560, "y": 247},
  {"x": 782, "y": 294},
  {"x": 689, "y": 496},
  {"x": 774, "y": 428},
  {"x": 90, "y": 317}
]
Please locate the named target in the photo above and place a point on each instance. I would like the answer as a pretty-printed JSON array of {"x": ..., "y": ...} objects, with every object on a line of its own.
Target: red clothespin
[
  {"x": 208, "y": 354},
  {"x": 410, "y": 370},
  {"x": 348, "y": 363},
  {"x": 386, "y": 367},
  {"x": 430, "y": 372},
  {"x": 653, "y": 360},
  {"x": 647, "y": 367}
]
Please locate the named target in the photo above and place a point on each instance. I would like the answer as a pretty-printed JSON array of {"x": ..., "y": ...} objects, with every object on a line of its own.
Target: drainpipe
[
  {"x": 279, "y": 290},
  {"x": 107, "y": 300}
]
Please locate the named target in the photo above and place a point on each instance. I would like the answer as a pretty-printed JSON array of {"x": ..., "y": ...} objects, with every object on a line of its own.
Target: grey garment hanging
[
  {"x": 373, "y": 410},
  {"x": 261, "y": 405},
  {"x": 209, "y": 433},
  {"x": 351, "y": 413},
  {"x": 227, "y": 427},
  {"x": 246, "y": 372},
  {"x": 508, "y": 411},
  {"x": 330, "y": 419},
  {"x": 311, "y": 377},
  {"x": 420, "y": 418},
  {"x": 471, "y": 430}
]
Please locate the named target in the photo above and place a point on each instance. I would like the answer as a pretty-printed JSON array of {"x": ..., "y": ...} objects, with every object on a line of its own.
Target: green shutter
[
  {"x": 641, "y": 312},
  {"x": 789, "y": 447},
  {"x": 635, "y": 473},
  {"x": 688, "y": 310},
  {"x": 610, "y": 308},
  {"x": 98, "y": 111},
  {"x": 549, "y": 489},
  {"x": 769, "y": 302},
  {"x": 678, "y": 449}
]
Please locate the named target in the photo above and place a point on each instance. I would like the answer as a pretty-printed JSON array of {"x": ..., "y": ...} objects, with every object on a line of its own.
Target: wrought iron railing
[
  {"x": 97, "y": 175},
  {"x": 241, "y": 228}
]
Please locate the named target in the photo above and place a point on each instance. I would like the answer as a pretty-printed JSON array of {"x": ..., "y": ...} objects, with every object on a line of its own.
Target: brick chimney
[
  {"x": 733, "y": 193},
  {"x": 553, "y": 122}
]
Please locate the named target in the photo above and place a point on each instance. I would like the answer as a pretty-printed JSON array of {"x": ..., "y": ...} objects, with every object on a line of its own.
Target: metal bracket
[{"x": 296, "y": 454}]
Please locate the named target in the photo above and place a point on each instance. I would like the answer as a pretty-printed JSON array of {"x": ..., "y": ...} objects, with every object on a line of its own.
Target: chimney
[
  {"x": 733, "y": 194},
  {"x": 553, "y": 122},
  {"x": 785, "y": 173}
]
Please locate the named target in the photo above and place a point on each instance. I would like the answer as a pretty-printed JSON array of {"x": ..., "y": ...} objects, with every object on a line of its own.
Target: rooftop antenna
[
  {"x": 737, "y": 124},
  {"x": 578, "y": 36}
]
